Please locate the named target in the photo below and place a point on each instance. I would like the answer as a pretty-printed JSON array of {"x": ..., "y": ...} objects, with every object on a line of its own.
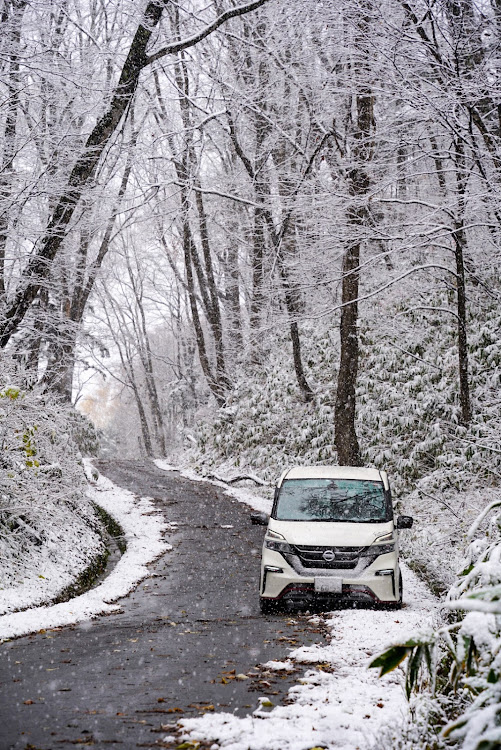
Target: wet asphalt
[{"x": 177, "y": 645}]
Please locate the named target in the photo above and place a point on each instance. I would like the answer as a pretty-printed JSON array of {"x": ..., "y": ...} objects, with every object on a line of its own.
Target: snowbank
[{"x": 143, "y": 526}]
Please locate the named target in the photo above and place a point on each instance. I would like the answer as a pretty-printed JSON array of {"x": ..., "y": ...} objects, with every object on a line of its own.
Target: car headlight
[
  {"x": 276, "y": 542},
  {"x": 380, "y": 549},
  {"x": 382, "y": 545},
  {"x": 276, "y": 546}
]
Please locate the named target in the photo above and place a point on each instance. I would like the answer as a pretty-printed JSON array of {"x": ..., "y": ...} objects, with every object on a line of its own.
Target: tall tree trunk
[
  {"x": 232, "y": 296},
  {"x": 11, "y": 20},
  {"x": 145, "y": 355},
  {"x": 346, "y": 441},
  {"x": 214, "y": 319},
  {"x": 58, "y": 376},
  {"x": 39, "y": 264},
  {"x": 206, "y": 278}
]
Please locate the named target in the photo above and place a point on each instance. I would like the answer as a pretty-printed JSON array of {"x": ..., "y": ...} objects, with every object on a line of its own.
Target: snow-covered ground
[
  {"x": 339, "y": 702},
  {"x": 143, "y": 527}
]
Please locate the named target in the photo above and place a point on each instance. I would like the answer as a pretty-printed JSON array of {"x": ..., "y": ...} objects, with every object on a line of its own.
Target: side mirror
[
  {"x": 259, "y": 519},
  {"x": 404, "y": 522}
]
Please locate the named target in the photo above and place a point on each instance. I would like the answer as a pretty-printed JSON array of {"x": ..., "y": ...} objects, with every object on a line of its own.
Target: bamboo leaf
[{"x": 390, "y": 659}]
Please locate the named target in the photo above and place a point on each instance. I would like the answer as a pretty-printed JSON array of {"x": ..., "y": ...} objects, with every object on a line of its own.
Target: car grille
[{"x": 343, "y": 558}]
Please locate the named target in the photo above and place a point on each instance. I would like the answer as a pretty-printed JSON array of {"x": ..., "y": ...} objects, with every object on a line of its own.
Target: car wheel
[{"x": 267, "y": 606}]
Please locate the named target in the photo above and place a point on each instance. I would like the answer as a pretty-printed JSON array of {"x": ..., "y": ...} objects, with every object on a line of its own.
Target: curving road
[{"x": 174, "y": 650}]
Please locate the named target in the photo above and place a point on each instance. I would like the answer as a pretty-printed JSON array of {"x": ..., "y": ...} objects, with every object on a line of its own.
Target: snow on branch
[{"x": 172, "y": 49}]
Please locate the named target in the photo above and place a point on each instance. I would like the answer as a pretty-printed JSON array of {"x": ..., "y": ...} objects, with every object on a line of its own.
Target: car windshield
[{"x": 355, "y": 500}]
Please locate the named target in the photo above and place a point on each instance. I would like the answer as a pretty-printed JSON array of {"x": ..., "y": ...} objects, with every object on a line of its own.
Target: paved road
[{"x": 174, "y": 650}]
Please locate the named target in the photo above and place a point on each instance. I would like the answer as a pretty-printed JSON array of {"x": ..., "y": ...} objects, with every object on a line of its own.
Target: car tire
[{"x": 267, "y": 606}]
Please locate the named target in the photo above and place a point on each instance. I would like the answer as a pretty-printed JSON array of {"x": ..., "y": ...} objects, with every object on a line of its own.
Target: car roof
[{"x": 333, "y": 472}]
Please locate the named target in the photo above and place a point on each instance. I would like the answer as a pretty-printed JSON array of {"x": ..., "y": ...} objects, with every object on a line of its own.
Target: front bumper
[{"x": 376, "y": 583}]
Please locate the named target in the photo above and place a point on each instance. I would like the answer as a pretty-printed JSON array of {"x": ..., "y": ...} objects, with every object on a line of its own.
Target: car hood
[{"x": 330, "y": 533}]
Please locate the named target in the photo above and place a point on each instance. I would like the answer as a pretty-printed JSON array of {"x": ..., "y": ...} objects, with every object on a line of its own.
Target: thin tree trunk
[
  {"x": 214, "y": 318},
  {"x": 145, "y": 355},
  {"x": 232, "y": 298},
  {"x": 459, "y": 248},
  {"x": 293, "y": 305}
]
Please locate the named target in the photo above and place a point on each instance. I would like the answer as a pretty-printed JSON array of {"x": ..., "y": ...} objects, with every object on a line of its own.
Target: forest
[{"x": 257, "y": 234}]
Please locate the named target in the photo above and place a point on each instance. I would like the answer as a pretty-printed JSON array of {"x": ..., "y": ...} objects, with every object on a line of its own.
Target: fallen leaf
[
  {"x": 175, "y": 710},
  {"x": 199, "y": 707},
  {"x": 265, "y": 703},
  {"x": 325, "y": 667},
  {"x": 29, "y": 702},
  {"x": 241, "y": 677}
]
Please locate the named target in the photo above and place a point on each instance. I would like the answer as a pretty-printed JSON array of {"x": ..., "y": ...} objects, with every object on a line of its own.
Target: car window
[{"x": 350, "y": 500}]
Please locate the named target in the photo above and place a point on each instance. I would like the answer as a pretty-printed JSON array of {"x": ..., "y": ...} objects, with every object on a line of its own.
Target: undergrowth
[{"x": 49, "y": 532}]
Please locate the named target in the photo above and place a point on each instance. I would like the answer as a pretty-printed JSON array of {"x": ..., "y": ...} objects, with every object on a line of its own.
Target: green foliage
[
  {"x": 11, "y": 393},
  {"x": 420, "y": 650}
]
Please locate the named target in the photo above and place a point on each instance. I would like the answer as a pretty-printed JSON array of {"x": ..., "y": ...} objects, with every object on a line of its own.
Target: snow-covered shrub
[
  {"x": 466, "y": 699},
  {"x": 265, "y": 425},
  {"x": 48, "y": 530}
]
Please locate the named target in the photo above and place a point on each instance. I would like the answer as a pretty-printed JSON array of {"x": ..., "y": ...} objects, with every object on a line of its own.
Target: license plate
[{"x": 329, "y": 585}]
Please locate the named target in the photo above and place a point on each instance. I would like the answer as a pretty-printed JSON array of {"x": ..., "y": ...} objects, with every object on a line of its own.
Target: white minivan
[{"x": 331, "y": 536}]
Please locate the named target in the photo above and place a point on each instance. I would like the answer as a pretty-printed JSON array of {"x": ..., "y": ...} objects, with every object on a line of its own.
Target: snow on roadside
[
  {"x": 339, "y": 703},
  {"x": 143, "y": 526},
  {"x": 342, "y": 704}
]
